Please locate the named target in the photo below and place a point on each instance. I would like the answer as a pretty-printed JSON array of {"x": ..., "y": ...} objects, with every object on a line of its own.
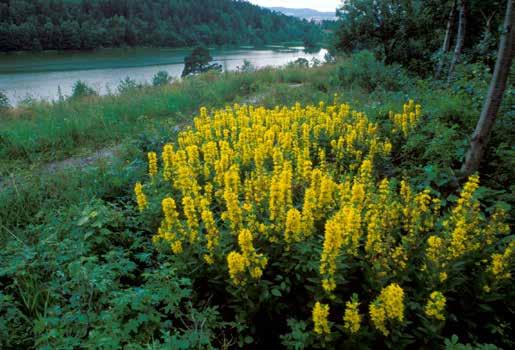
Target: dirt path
[
  {"x": 77, "y": 162},
  {"x": 82, "y": 162}
]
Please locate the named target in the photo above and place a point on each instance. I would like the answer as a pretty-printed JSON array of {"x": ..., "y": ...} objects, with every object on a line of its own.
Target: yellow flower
[
  {"x": 393, "y": 300},
  {"x": 152, "y": 164},
  {"x": 378, "y": 317},
  {"x": 170, "y": 212},
  {"x": 352, "y": 317},
  {"x": 320, "y": 316},
  {"x": 442, "y": 276},
  {"x": 237, "y": 265},
  {"x": 434, "y": 248},
  {"x": 141, "y": 199},
  {"x": 502, "y": 264},
  {"x": 389, "y": 306},
  {"x": 248, "y": 261},
  {"x": 167, "y": 157},
  {"x": 435, "y": 306},
  {"x": 293, "y": 230},
  {"x": 191, "y": 216}
]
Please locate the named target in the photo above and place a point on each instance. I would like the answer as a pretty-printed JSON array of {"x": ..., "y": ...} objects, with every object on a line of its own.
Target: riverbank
[
  {"x": 50, "y": 75},
  {"x": 45, "y": 132}
]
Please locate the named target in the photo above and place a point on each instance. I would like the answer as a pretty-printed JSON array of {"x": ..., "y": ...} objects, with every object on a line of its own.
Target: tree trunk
[
  {"x": 447, "y": 40},
  {"x": 493, "y": 100},
  {"x": 460, "y": 40}
]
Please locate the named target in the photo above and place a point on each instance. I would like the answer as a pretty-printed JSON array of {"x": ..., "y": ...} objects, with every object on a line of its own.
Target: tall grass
[{"x": 49, "y": 131}]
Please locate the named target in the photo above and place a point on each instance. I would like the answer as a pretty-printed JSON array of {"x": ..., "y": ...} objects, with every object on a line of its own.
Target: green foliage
[
  {"x": 91, "y": 24},
  {"x": 127, "y": 85},
  {"x": 199, "y": 61},
  {"x": 81, "y": 89},
  {"x": 161, "y": 78},
  {"x": 453, "y": 344},
  {"x": 4, "y": 101},
  {"x": 247, "y": 67},
  {"x": 369, "y": 73},
  {"x": 111, "y": 295},
  {"x": 411, "y": 32}
]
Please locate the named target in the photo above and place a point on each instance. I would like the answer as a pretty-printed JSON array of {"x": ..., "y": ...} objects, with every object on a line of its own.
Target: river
[{"x": 43, "y": 75}]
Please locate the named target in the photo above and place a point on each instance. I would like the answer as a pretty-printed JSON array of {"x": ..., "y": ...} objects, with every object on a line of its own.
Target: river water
[{"x": 43, "y": 75}]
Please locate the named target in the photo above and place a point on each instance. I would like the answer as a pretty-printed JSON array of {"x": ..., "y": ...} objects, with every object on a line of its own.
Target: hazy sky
[{"x": 321, "y": 5}]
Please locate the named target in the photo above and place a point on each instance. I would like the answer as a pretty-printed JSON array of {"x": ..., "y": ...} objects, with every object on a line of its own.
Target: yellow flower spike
[
  {"x": 502, "y": 264},
  {"x": 170, "y": 212},
  {"x": 141, "y": 199},
  {"x": 320, "y": 318},
  {"x": 237, "y": 264},
  {"x": 352, "y": 318},
  {"x": 152, "y": 164},
  {"x": 191, "y": 216},
  {"x": 293, "y": 230},
  {"x": 378, "y": 317},
  {"x": 435, "y": 306},
  {"x": 389, "y": 306},
  {"x": 167, "y": 156}
]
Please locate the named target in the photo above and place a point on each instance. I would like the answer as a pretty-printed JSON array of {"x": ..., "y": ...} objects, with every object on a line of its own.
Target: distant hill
[
  {"x": 308, "y": 14},
  {"x": 90, "y": 24}
]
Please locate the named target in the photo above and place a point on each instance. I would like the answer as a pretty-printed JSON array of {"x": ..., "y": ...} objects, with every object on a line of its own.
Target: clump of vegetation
[
  {"x": 370, "y": 73},
  {"x": 81, "y": 89},
  {"x": 288, "y": 206},
  {"x": 161, "y": 78},
  {"x": 127, "y": 85},
  {"x": 199, "y": 61},
  {"x": 4, "y": 101}
]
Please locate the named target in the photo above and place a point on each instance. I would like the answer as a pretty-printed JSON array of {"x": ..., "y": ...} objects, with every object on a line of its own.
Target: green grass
[{"x": 43, "y": 132}]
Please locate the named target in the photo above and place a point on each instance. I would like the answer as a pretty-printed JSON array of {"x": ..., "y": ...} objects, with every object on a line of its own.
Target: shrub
[
  {"x": 4, "y": 101},
  {"x": 247, "y": 67},
  {"x": 127, "y": 85},
  {"x": 81, "y": 89},
  {"x": 364, "y": 70},
  {"x": 288, "y": 209},
  {"x": 161, "y": 78}
]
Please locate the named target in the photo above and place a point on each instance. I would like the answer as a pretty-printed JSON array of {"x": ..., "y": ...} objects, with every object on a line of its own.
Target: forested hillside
[{"x": 90, "y": 24}]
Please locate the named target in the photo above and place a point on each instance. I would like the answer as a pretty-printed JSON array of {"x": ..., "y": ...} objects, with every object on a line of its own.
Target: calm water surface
[{"x": 41, "y": 75}]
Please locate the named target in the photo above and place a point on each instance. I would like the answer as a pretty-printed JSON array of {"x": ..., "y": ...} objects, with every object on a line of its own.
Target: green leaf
[
  {"x": 276, "y": 292},
  {"x": 248, "y": 339}
]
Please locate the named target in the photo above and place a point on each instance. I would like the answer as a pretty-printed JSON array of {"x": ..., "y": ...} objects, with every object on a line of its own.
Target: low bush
[
  {"x": 81, "y": 89},
  {"x": 365, "y": 71},
  {"x": 161, "y": 78},
  {"x": 285, "y": 216}
]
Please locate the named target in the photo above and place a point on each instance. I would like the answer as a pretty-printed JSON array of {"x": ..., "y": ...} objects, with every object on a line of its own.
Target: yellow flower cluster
[
  {"x": 247, "y": 183},
  {"x": 406, "y": 121},
  {"x": 352, "y": 317},
  {"x": 152, "y": 164},
  {"x": 463, "y": 230},
  {"x": 435, "y": 306},
  {"x": 247, "y": 261},
  {"x": 388, "y": 306},
  {"x": 320, "y": 318},
  {"x": 141, "y": 199},
  {"x": 246, "y": 163},
  {"x": 502, "y": 264}
]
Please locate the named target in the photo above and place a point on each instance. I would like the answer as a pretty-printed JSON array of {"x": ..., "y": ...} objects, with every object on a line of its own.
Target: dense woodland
[
  {"x": 412, "y": 32},
  {"x": 90, "y": 24}
]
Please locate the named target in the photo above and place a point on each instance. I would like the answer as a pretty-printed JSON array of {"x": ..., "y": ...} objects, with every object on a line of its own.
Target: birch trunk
[
  {"x": 447, "y": 40},
  {"x": 460, "y": 40},
  {"x": 494, "y": 97}
]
